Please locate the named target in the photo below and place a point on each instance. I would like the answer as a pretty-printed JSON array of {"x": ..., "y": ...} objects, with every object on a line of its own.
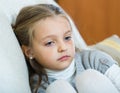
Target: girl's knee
[
  {"x": 60, "y": 86},
  {"x": 92, "y": 81},
  {"x": 88, "y": 77}
]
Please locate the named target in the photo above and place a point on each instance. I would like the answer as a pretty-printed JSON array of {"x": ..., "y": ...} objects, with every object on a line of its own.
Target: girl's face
[{"x": 53, "y": 45}]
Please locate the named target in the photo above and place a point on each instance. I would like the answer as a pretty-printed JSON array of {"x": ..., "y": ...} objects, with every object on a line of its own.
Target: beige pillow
[{"x": 110, "y": 45}]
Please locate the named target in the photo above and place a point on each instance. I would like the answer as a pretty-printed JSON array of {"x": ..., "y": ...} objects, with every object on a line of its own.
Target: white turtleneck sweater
[{"x": 66, "y": 74}]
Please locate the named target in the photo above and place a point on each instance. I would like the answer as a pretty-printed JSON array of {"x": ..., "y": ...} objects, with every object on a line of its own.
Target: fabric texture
[
  {"x": 111, "y": 46},
  {"x": 64, "y": 74},
  {"x": 92, "y": 81},
  {"x": 113, "y": 74},
  {"x": 60, "y": 86},
  {"x": 13, "y": 69}
]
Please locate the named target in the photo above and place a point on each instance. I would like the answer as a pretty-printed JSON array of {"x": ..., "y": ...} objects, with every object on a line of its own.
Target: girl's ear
[{"x": 27, "y": 51}]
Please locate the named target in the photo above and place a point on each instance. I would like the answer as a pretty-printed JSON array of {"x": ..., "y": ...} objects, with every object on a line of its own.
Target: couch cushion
[
  {"x": 110, "y": 45},
  {"x": 13, "y": 70}
]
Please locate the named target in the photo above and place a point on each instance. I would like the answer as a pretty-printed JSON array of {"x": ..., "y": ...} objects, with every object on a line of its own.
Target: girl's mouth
[{"x": 64, "y": 58}]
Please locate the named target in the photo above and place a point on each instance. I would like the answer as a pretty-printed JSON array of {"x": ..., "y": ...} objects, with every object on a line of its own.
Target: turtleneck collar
[{"x": 66, "y": 74}]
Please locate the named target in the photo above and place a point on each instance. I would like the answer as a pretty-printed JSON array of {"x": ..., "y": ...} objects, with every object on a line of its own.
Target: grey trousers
[{"x": 89, "y": 81}]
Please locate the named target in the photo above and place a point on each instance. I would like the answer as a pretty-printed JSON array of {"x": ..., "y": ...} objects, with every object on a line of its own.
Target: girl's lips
[{"x": 64, "y": 58}]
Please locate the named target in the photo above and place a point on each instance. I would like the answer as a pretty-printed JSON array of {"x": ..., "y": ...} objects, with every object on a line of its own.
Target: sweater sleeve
[{"x": 97, "y": 60}]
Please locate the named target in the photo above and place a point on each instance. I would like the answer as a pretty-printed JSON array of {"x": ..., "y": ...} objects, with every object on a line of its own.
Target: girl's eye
[
  {"x": 68, "y": 38},
  {"x": 50, "y": 43}
]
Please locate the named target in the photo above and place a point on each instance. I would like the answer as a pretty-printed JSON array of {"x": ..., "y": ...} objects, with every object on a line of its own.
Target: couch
[{"x": 13, "y": 69}]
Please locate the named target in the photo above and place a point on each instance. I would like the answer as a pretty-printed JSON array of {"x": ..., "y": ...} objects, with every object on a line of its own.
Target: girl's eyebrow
[
  {"x": 48, "y": 37},
  {"x": 69, "y": 31}
]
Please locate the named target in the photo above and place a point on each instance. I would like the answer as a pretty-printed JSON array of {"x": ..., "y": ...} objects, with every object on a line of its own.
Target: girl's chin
[{"x": 65, "y": 66}]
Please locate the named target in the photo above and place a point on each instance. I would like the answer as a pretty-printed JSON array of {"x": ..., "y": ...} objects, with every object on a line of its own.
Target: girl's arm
[
  {"x": 97, "y": 60},
  {"x": 103, "y": 63}
]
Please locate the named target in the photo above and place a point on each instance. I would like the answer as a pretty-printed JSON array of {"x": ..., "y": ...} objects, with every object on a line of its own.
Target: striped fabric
[{"x": 110, "y": 45}]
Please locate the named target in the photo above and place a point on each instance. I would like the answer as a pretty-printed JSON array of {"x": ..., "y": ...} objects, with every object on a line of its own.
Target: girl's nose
[{"x": 62, "y": 47}]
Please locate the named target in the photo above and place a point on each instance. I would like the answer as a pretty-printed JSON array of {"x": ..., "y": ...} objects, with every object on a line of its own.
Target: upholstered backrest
[
  {"x": 111, "y": 46},
  {"x": 13, "y": 69}
]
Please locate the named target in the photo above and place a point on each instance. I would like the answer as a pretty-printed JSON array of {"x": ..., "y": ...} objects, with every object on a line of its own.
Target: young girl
[{"x": 55, "y": 64}]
